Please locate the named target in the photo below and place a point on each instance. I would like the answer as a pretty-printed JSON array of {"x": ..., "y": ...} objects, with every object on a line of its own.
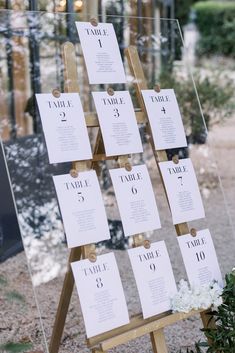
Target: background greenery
[
  {"x": 215, "y": 21},
  {"x": 215, "y": 95}
]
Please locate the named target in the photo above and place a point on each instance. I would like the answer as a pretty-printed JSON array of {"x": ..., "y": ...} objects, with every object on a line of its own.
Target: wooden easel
[{"x": 137, "y": 326}]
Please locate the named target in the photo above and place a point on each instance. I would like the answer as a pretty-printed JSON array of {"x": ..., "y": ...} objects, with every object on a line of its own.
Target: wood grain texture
[
  {"x": 158, "y": 341},
  {"x": 136, "y": 328}
]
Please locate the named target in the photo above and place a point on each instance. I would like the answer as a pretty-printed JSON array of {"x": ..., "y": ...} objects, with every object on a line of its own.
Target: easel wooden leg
[
  {"x": 208, "y": 321},
  {"x": 158, "y": 341},
  {"x": 63, "y": 306}
]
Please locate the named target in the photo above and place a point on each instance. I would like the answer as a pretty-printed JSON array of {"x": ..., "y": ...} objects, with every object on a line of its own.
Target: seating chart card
[
  {"x": 101, "y": 52},
  {"x": 154, "y": 278},
  {"x": 101, "y": 294},
  {"x": 85, "y": 221},
  {"x": 200, "y": 258},
  {"x": 165, "y": 119},
  {"x": 182, "y": 190},
  {"x": 118, "y": 123},
  {"x": 135, "y": 198},
  {"x": 64, "y": 127}
]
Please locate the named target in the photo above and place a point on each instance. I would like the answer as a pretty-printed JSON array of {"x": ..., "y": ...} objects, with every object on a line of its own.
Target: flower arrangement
[
  {"x": 221, "y": 337},
  {"x": 203, "y": 297}
]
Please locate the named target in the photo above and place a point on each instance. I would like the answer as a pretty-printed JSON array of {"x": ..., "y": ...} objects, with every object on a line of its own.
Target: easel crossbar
[{"x": 137, "y": 328}]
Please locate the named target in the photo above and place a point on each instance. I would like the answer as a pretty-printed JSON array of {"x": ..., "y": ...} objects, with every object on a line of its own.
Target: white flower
[
  {"x": 217, "y": 302},
  {"x": 203, "y": 297},
  {"x": 183, "y": 285}
]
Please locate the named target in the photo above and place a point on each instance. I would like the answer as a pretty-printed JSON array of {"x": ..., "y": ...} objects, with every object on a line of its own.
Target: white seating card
[
  {"x": 135, "y": 198},
  {"x": 101, "y": 52},
  {"x": 64, "y": 127},
  {"x": 165, "y": 119},
  {"x": 118, "y": 123},
  {"x": 200, "y": 258},
  {"x": 101, "y": 294},
  {"x": 154, "y": 278},
  {"x": 82, "y": 208},
  {"x": 182, "y": 190}
]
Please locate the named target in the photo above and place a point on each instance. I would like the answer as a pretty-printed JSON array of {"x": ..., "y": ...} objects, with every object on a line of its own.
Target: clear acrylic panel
[{"x": 31, "y": 62}]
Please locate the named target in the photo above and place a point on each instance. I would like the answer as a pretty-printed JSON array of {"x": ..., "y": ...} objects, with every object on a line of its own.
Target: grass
[
  {"x": 12, "y": 347},
  {"x": 3, "y": 281},
  {"x": 15, "y": 296}
]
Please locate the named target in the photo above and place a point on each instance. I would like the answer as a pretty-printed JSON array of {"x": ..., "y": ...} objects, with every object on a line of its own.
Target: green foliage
[
  {"x": 3, "y": 281},
  {"x": 15, "y": 296},
  {"x": 18, "y": 347},
  {"x": 215, "y": 95},
  {"x": 182, "y": 10},
  {"x": 182, "y": 13},
  {"x": 216, "y": 23},
  {"x": 197, "y": 350}
]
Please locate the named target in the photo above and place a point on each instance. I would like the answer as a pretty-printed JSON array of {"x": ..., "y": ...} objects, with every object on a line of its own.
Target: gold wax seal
[
  {"x": 128, "y": 167},
  {"x": 175, "y": 159},
  {"x": 157, "y": 88},
  {"x": 110, "y": 91},
  {"x": 193, "y": 232},
  {"x": 73, "y": 173},
  {"x": 147, "y": 244},
  {"x": 94, "y": 22},
  {"x": 56, "y": 93},
  {"x": 92, "y": 257}
]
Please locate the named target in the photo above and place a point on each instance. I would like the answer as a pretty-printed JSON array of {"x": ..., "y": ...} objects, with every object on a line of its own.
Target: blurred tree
[
  {"x": 183, "y": 10},
  {"x": 216, "y": 35}
]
